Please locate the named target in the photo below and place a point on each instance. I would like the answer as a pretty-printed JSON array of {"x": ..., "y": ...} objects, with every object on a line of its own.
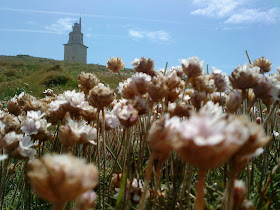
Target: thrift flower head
[
  {"x": 143, "y": 65},
  {"x": 202, "y": 138},
  {"x": 61, "y": 178},
  {"x": 115, "y": 64},
  {"x": 221, "y": 80},
  {"x": 244, "y": 77},
  {"x": 87, "y": 81},
  {"x": 77, "y": 132},
  {"x": 192, "y": 67},
  {"x": 263, "y": 63},
  {"x": 161, "y": 135},
  {"x": 100, "y": 96}
]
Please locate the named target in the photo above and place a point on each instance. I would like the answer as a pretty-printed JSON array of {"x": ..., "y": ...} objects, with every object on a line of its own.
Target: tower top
[{"x": 77, "y": 27}]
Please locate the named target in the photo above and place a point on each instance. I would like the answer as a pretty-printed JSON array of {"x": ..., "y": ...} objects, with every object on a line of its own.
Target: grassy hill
[{"x": 33, "y": 75}]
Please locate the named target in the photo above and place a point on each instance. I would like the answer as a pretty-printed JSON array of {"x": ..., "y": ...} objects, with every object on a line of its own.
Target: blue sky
[{"x": 217, "y": 31}]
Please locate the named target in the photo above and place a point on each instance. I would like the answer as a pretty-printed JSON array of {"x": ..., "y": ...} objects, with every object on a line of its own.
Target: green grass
[{"x": 33, "y": 75}]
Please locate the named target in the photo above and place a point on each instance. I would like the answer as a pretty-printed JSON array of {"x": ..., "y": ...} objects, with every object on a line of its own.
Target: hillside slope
[{"x": 33, "y": 75}]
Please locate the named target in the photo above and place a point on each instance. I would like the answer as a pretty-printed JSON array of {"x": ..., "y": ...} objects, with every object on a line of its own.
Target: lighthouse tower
[{"x": 75, "y": 50}]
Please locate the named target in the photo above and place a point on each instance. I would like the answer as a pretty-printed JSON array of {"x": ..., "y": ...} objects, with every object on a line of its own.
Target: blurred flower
[
  {"x": 144, "y": 65},
  {"x": 86, "y": 201},
  {"x": 128, "y": 115},
  {"x": 221, "y": 80},
  {"x": 263, "y": 87},
  {"x": 61, "y": 178},
  {"x": 18, "y": 146},
  {"x": 111, "y": 120},
  {"x": 128, "y": 89},
  {"x": 100, "y": 96},
  {"x": 141, "y": 105},
  {"x": 177, "y": 69},
  {"x": 34, "y": 123},
  {"x": 76, "y": 132},
  {"x": 173, "y": 81},
  {"x": 198, "y": 99},
  {"x": 87, "y": 81},
  {"x": 161, "y": 134},
  {"x": 244, "y": 77},
  {"x": 192, "y": 67},
  {"x": 115, "y": 64},
  {"x": 141, "y": 81},
  {"x": 136, "y": 190},
  {"x": 157, "y": 88},
  {"x": 203, "y": 83},
  {"x": 13, "y": 106},
  {"x": 204, "y": 137},
  {"x": 263, "y": 63},
  {"x": 3, "y": 157},
  {"x": 180, "y": 109},
  {"x": 48, "y": 92},
  {"x": 234, "y": 101}
]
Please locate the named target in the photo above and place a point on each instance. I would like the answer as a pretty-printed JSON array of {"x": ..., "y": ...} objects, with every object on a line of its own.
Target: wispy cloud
[
  {"x": 254, "y": 16},
  {"x": 27, "y": 30},
  {"x": 52, "y": 12},
  {"x": 215, "y": 8},
  {"x": 160, "y": 35},
  {"x": 62, "y": 25},
  {"x": 236, "y": 11}
]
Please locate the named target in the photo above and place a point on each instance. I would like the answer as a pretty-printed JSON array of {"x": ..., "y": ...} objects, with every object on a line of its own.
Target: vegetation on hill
[{"x": 33, "y": 75}]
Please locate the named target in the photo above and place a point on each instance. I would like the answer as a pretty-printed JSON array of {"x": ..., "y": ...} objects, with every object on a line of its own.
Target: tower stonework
[{"x": 75, "y": 50}]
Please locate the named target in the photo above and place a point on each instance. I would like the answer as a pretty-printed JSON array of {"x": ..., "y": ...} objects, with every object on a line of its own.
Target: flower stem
[
  {"x": 58, "y": 206},
  {"x": 199, "y": 201},
  {"x": 147, "y": 179}
]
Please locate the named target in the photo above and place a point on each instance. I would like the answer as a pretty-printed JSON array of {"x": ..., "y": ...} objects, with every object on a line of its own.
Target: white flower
[
  {"x": 249, "y": 69},
  {"x": 177, "y": 69},
  {"x": 48, "y": 92},
  {"x": 205, "y": 127},
  {"x": 12, "y": 137},
  {"x": 192, "y": 60},
  {"x": 34, "y": 122},
  {"x": 111, "y": 119},
  {"x": 85, "y": 133},
  {"x": 275, "y": 133},
  {"x": 35, "y": 115},
  {"x": 55, "y": 105},
  {"x": 25, "y": 148},
  {"x": 137, "y": 184},
  {"x": 3, "y": 157},
  {"x": 75, "y": 99},
  {"x": 136, "y": 62},
  {"x": 30, "y": 126},
  {"x": 141, "y": 76},
  {"x": 216, "y": 71}
]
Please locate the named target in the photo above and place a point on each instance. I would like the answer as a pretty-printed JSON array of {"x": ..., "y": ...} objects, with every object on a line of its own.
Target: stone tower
[{"x": 75, "y": 50}]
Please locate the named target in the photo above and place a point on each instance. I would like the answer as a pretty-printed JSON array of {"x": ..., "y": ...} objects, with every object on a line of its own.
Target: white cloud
[
  {"x": 61, "y": 26},
  {"x": 236, "y": 11},
  {"x": 160, "y": 35},
  {"x": 215, "y": 8},
  {"x": 136, "y": 34},
  {"x": 254, "y": 16}
]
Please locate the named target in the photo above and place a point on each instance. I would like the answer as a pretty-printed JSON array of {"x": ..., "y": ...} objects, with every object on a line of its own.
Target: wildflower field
[{"x": 76, "y": 136}]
